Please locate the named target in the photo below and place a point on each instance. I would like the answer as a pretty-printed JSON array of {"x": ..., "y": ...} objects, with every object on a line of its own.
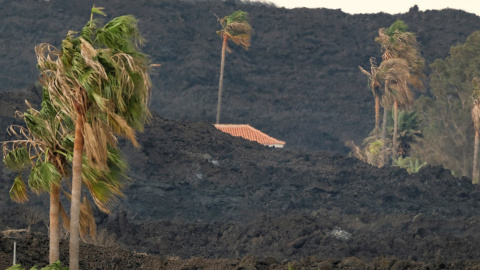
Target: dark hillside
[
  {"x": 298, "y": 82},
  {"x": 201, "y": 194},
  {"x": 197, "y": 192}
]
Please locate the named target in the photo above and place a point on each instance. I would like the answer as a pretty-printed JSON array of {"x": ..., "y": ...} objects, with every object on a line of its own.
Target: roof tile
[{"x": 248, "y": 132}]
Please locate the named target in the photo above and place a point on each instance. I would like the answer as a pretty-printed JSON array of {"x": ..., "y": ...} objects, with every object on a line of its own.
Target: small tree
[{"x": 446, "y": 114}]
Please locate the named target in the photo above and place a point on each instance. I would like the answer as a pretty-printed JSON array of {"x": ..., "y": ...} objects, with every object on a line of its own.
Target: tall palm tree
[
  {"x": 395, "y": 73},
  {"x": 235, "y": 27},
  {"x": 397, "y": 43},
  {"x": 476, "y": 126},
  {"x": 44, "y": 147},
  {"x": 100, "y": 80},
  {"x": 374, "y": 84}
]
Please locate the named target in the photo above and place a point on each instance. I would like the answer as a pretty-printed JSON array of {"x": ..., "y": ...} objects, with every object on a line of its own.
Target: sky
[{"x": 375, "y": 6}]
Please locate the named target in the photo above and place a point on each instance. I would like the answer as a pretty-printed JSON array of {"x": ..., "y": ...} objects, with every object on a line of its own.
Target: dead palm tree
[
  {"x": 44, "y": 148},
  {"x": 397, "y": 43},
  {"x": 236, "y": 28},
  {"x": 374, "y": 84},
  {"x": 99, "y": 79}
]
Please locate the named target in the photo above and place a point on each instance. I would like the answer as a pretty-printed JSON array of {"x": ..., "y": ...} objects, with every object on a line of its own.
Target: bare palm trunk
[
  {"x": 54, "y": 244},
  {"x": 475, "y": 179},
  {"x": 395, "y": 128},
  {"x": 220, "y": 83},
  {"x": 377, "y": 117},
  {"x": 74, "y": 249},
  {"x": 384, "y": 135},
  {"x": 465, "y": 164}
]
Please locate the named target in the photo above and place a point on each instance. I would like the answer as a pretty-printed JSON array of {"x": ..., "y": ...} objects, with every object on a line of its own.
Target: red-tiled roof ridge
[{"x": 250, "y": 133}]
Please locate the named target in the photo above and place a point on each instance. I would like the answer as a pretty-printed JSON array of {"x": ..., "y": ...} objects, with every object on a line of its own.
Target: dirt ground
[{"x": 201, "y": 199}]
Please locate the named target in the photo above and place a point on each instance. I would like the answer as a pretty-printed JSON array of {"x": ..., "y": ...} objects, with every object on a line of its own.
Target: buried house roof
[{"x": 250, "y": 133}]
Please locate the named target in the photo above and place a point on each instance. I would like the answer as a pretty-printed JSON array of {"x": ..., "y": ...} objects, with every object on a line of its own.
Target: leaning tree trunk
[
  {"x": 220, "y": 82},
  {"x": 384, "y": 135},
  {"x": 74, "y": 249},
  {"x": 54, "y": 233},
  {"x": 377, "y": 117},
  {"x": 395, "y": 128},
  {"x": 475, "y": 179}
]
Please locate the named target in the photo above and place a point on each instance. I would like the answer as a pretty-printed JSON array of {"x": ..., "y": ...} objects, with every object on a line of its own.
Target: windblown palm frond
[
  {"x": 373, "y": 78},
  {"x": 103, "y": 77},
  {"x": 18, "y": 191},
  {"x": 99, "y": 80},
  {"x": 236, "y": 28},
  {"x": 396, "y": 72}
]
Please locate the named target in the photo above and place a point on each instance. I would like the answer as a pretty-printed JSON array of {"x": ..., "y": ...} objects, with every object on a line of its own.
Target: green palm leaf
[
  {"x": 42, "y": 176},
  {"x": 17, "y": 159},
  {"x": 98, "y": 10},
  {"x": 18, "y": 191}
]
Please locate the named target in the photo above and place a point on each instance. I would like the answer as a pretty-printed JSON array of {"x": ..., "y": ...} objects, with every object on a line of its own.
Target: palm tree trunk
[
  {"x": 220, "y": 83},
  {"x": 384, "y": 135},
  {"x": 395, "y": 128},
  {"x": 465, "y": 162},
  {"x": 54, "y": 234},
  {"x": 377, "y": 117},
  {"x": 475, "y": 179},
  {"x": 74, "y": 249}
]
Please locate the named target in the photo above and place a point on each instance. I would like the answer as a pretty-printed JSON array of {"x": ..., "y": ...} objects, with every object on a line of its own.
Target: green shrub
[{"x": 55, "y": 266}]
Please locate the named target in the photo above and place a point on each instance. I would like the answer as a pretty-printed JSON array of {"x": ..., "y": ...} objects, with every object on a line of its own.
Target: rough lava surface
[{"x": 200, "y": 198}]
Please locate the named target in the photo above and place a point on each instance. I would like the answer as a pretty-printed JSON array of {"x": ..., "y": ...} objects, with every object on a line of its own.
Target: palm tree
[
  {"x": 374, "y": 84},
  {"x": 99, "y": 79},
  {"x": 476, "y": 126},
  {"x": 395, "y": 73},
  {"x": 40, "y": 148},
  {"x": 408, "y": 132},
  {"x": 397, "y": 43},
  {"x": 236, "y": 28},
  {"x": 44, "y": 147}
]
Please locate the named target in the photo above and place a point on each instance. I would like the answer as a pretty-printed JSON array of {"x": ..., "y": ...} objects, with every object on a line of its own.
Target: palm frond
[
  {"x": 237, "y": 16},
  {"x": 242, "y": 40},
  {"x": 17, "y": 159},
  {"x": 18, "y": 191},
  {"x": 237, "y": 28},
  {"x": 42, "y": 176},
  {"x": 121, "y": 34},
  {"x": 65, "y": 217},
  {"x": 87, "y": 221},
  {"x": 397, "y": 26},
  {"x": 98, "y": 10},
  {"x": 105, "y": 185}
]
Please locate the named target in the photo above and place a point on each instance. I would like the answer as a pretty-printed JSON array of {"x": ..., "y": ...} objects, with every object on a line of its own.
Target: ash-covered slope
[
  {"x": 298, "y": 82},
  {"x": 193, "y": 171},
  {"x": 199, "y": 192}
]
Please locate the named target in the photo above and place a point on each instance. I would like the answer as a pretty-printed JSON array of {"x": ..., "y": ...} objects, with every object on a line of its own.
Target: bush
[{"x": 55, "y": 266}]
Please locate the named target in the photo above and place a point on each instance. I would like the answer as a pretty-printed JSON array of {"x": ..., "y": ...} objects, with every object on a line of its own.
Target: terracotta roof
[{"x": 250, "y": 133}]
